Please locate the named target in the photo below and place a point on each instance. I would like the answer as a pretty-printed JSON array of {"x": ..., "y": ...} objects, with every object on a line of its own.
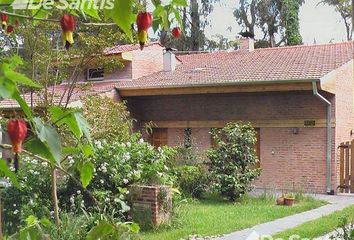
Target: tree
[
  {"x": 290, "y": 21},
  {"x": 345, "y": 9},
  {"x": 246, "y": 14},
  {"x": 194, "y": 19},
  {"x": 268, "y": 13},
  {"x": 273, "y": 17},
  {"x": 219, "y": 42}
]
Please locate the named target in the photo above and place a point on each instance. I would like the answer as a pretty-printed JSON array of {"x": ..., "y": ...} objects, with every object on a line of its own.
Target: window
[
  {"x": 94, "y": 74},
  {"x": 159, "y": 137}
]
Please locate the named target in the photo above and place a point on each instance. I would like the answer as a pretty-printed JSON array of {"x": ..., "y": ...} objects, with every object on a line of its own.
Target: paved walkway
[{"x": 270, "y": 228}]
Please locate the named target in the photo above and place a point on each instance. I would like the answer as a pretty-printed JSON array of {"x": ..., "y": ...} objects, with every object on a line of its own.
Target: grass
[
  {"x": 215, "y": 217},
  {"x": 318, "y": 227}
]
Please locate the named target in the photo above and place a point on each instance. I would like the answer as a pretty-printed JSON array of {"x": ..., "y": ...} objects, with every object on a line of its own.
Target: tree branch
[{"x": 52, "y": 20}]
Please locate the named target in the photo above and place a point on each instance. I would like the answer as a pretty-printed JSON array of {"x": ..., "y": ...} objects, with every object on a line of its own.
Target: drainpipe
[{"x": 329, "y": 136}]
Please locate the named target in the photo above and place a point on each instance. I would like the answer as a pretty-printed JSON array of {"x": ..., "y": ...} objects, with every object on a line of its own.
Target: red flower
[
  {"x": 67, "y": 23},
  {"x": 177, "y": 32},
  {"x": 144, "y": 21},
  {"x": 9, "y": 29},
  {"x": 17, "y": 131},
  {"x": 4, "y": 18}
]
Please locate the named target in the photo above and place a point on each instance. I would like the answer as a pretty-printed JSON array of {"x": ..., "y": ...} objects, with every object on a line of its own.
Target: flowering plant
[{"x": 118, "y": 165}]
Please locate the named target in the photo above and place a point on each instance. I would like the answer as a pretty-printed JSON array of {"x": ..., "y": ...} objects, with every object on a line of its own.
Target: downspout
[{"x": 329, "y": 136}]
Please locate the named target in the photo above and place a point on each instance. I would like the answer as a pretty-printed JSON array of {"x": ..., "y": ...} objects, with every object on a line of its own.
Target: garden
[{"x": 80, "y": 172}]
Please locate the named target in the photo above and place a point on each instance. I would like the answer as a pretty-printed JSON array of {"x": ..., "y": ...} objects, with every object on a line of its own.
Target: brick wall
[
  {"x": 344, "y": 113},
  {"x": 287, "y": 159},
  {"x": 151, "y": 204},
  {"x": 293, "y": 160},
  {"x": 148, "y": 61},
  {"x": 292, "y": 105}
]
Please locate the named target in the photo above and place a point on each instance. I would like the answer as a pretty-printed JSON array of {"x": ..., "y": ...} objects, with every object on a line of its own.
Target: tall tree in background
[
  {"x": 194, "y": 21},
  {"x": 273, "y": 17},
  {"x": 345, "y": 9},
  {"x": 246, "y": 14},
  {"x": 268, "y": 14},
  {"x": 290, "y": 21}
]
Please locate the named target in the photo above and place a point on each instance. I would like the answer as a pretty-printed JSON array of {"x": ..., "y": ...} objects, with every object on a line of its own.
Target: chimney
[
  {"x": 169, "y": 61},
  {"x": 247, "y": 44}
]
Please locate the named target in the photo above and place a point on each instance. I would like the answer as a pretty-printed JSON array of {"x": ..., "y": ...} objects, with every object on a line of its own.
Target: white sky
[{"x": 316, "y": 22}]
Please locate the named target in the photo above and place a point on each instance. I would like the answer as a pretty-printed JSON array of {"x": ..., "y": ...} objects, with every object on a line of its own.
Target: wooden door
[{"x": 159, "y": 137}]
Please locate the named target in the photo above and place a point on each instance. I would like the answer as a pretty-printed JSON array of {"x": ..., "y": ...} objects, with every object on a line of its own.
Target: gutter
[{"x": 329, "y": 137}]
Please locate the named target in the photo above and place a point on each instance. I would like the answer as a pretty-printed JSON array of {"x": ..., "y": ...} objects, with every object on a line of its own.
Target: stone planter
[{"x": 151, "y": 205}]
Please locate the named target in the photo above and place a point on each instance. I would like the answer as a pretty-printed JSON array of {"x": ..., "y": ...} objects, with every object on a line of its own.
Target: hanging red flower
[
  {"x": 67, "y": 23},
  {"x": 144, "y": 22},
  {"x": 9, "y": 29},
  {"x": 17, "y": 131},
  {"x": 176, "y": 32},
  {"x": 4, "y": 19}
]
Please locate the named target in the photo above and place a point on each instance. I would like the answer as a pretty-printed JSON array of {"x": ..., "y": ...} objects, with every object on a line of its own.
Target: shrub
[
  {"x": 192, "y": 180},
  {"x": 118, "y": 165},
  {"x": 32, "y": 199},
  {"x": 233, "y": 160},
  {"x": 108, "y": 120}
]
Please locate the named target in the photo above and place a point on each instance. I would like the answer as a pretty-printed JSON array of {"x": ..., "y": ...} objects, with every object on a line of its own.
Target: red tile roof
[
  {"x": 295, "y": 63},
  {"x": 56, "y": 93},
  {"x": 127, "y": 48}
]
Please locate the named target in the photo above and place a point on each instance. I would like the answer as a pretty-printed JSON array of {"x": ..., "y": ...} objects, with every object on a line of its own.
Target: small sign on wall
[{"x": 309, "y": 123}]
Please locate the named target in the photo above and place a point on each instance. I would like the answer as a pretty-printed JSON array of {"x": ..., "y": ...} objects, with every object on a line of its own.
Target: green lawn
[
  {"x": 318, "y": 227},
  {"x": 215, "y": 217}
]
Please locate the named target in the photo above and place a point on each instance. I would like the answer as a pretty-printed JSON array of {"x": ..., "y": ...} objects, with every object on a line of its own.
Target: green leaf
[
  {"x": 7, "y": 88},
  {"x": 18, "y": 77},
  {"x": 180, "y": 3},
  {"x": 122, "y": 15},
  {"x": 178, "y": 17},
  {"x": 25, "y": 108},
  {"x": 8, "y": 173},
  {"x": 86, "y": 173},
  {"x": 102, "y": 230},
  {"x": 87, "y": 9},
  {"x": 48, "y": 135},
  {"x": 36, "y": 146},
  {"x": 87, "y": 150}
]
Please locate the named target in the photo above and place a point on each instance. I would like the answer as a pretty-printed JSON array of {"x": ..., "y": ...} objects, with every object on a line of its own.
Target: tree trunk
[
  {"x": 55, "y": 197},
  {"x": 195, "y": 28}
]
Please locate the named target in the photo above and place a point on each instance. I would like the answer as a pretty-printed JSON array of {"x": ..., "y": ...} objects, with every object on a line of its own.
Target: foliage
[
  {"x": 219, "y": 42},
  {"x": 290, "y": 14},
  {"x": 118, "y": 165},
  {"x": 233, "y": 160},
  {"x": 108, "y": 120},
  {"x": 192, "y": 180},
  {"x": 273, "y": 17},
  {"x": 32, "y": 199},
  {"x": 346, "y": 229},
  {"x": 345, "y": 9}
]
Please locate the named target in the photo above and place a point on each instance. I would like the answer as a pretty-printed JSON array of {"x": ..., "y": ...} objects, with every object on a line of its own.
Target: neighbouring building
[{"x": 300, "y": 100}]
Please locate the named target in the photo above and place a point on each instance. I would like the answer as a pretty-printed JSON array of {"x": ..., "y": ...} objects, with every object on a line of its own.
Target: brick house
[{"x": 300, "y": 100}]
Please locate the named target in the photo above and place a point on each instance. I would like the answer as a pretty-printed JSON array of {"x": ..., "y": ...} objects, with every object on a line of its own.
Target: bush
[
  {"x": 192, "y": 180},
  {"x": 118, "y": 165},
  {"x": 108, "y": 120},
  {"x": 34, "y": 197},
  {"x": 233, "y": 160}
]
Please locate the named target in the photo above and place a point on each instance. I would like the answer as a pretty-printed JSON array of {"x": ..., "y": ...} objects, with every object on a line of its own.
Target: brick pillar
[{"x": 151, "y": 205}]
